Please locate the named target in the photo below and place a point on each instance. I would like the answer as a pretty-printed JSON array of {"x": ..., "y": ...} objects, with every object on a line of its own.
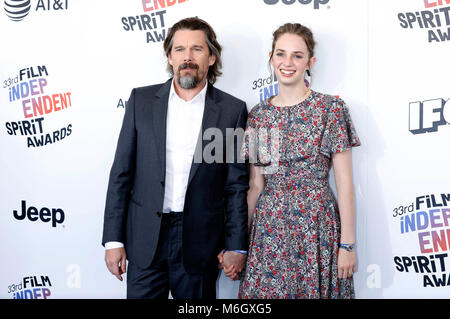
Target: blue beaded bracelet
[{"x": 244, "y": 252}]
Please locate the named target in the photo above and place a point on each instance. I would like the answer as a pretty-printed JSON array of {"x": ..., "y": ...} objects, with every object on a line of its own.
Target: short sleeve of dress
[
  {"x": 256, "y": 144},
  {"x": 339, "y": 134}
]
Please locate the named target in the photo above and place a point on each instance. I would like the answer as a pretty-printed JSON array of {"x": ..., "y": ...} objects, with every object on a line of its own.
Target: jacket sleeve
[
  {"x": 236, "y": 186},
  {"x": 121, "y": 178}
]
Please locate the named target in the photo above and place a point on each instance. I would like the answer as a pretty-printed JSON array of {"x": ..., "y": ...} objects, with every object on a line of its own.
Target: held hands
[
  {"x": 232, "y": 263},
  {"x": 116, "y": 261}
]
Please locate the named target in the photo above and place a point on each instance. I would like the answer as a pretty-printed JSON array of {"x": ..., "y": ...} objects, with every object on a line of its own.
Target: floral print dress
[{"x": 295, "y": 230}]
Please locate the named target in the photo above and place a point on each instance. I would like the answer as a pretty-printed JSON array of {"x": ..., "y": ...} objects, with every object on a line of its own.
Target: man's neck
[{"x": 188, "y": 94}]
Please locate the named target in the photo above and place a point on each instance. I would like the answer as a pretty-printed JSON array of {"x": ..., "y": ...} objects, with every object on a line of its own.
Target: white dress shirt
[{"x": 184, "y": 121}]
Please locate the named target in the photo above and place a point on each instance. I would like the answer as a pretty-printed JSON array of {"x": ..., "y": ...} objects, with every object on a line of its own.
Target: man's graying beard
[{"x": 187, "y": 81}]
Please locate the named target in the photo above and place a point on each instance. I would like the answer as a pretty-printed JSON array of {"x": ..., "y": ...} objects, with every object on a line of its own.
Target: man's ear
[{"x": 212, "y": 59}]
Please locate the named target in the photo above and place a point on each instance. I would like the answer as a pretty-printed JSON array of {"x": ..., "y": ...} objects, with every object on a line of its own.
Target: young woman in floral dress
[{"x": 301, "y": 239}]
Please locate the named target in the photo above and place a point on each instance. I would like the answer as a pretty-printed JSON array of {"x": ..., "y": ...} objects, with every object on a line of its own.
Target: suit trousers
[{"x": 167, "y": 273}]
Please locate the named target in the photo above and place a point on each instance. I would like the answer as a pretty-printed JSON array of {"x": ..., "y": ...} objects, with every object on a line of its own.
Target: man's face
[{"x": 190, "y": 58}]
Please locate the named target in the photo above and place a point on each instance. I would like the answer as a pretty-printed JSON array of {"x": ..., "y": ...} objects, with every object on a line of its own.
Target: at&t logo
[{"x": 17, "y": 10}]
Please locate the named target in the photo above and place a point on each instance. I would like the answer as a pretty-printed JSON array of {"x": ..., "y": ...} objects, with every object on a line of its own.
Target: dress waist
[{"x": 292, "y": 183}]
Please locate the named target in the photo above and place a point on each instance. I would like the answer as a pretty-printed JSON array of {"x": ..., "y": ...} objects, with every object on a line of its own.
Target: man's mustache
[{"x": 188, "y": 65}]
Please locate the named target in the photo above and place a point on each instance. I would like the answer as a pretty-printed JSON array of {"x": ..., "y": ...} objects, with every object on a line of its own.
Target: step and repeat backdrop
[{"x": 67, "y": 68}]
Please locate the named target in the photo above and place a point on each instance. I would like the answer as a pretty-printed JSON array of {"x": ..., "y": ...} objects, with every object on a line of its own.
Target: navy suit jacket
[{"x": 215, "y": 208}]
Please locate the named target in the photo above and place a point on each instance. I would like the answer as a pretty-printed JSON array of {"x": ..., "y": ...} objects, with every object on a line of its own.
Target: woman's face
[{"x": 290, "y": 59}]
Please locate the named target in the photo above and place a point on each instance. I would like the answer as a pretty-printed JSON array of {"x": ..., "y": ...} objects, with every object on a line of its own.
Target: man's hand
[
  {"x": 232, "y": 263},
  {"x": 116, "y": 261}
]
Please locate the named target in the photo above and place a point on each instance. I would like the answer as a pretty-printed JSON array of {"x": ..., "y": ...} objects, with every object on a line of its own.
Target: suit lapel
[
  {"x": 159, "y": 116},
  {"x": 210, "y": 119}
]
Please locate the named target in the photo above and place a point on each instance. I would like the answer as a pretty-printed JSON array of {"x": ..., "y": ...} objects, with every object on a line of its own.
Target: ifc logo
[{"x": 17, "y": 10}]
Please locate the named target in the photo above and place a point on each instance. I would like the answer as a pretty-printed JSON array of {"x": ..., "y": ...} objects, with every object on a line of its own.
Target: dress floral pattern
[{"x": 295, "y": 231}]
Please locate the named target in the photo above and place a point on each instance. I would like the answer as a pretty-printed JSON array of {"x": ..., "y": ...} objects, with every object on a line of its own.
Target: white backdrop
[{"x": 366, "y": 53}]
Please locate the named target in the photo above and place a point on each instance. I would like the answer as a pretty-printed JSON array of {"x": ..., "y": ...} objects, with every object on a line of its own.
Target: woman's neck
[{"x": 290, "y": 95}]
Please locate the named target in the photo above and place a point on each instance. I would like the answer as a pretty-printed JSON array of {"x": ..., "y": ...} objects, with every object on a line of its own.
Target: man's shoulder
[
  {"x": 149, "y": 89},
  {"x": 227, "y": 97}
]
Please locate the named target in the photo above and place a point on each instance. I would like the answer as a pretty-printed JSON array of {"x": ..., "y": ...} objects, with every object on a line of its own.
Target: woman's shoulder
[
  {"x": 261, "y": 107},
  {"x": 331, "y": 103},
  {"x": 260, "y": 111},
  {"x": 327, "y": 98}
]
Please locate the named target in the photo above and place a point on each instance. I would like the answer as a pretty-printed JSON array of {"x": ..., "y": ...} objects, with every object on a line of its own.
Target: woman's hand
[{"x": 346, "y": 263}]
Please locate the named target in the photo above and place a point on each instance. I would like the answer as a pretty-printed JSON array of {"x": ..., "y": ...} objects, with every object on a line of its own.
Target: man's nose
[{"x": 187, "y": 55}]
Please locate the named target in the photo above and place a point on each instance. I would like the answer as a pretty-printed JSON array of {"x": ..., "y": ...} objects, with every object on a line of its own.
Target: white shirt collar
[{"x": 200, "y": 96}]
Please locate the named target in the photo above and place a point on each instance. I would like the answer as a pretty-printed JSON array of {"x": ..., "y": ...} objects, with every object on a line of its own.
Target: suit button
[
  {"x": 162, "y": 183},
  {"x": 159, "y": 214}
]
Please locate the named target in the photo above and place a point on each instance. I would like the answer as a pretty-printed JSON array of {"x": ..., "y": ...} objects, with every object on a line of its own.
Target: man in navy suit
[{"x": 170, "y": 214}]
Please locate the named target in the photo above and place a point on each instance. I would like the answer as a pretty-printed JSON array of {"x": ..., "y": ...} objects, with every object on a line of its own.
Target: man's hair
[{"x": 213, "y": 46}]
